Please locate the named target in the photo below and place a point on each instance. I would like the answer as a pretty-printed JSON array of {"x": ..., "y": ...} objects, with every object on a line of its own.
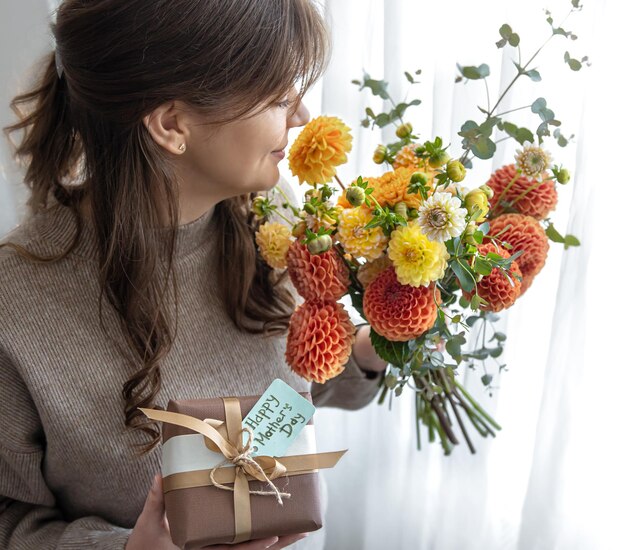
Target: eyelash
[{"x": 284, "y": 104}]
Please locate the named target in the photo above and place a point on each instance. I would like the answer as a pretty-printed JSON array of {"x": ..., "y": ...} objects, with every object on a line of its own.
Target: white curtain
[{"x": 553, "y": 478}]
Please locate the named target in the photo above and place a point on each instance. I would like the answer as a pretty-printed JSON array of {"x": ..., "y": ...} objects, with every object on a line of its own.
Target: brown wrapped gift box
[{"x": 201, "y": 516}]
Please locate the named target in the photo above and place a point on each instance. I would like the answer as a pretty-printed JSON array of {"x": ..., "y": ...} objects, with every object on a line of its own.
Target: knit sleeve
[
  {"x": 29, "y": 517},
  {"x": 353, "y": 389}
]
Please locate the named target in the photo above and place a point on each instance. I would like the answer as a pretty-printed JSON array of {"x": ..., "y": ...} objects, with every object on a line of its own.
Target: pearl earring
[{"x": 182, "y": 147}]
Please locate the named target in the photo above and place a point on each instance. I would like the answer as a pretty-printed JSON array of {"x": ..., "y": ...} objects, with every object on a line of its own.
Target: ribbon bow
[{"x": 262, "y": 468}]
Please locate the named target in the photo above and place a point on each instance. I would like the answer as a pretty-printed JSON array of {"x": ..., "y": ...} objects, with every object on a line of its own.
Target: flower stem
[
  {"x": 339, "y": 182},
  {"x": 526, "y": 191},
  {"x": 293, "y": 208},
  {"x": 507, "y": 189},
  {"x": 446, "y": 388},
  {"x": 477, "y": 406}
]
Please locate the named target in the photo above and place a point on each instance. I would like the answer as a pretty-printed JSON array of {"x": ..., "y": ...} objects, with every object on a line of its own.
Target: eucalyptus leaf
[{"x": 474, "y": 73}]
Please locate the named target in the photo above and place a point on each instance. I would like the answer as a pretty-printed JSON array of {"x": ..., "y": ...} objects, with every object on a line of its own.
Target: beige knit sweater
[{"x": 68, "y": 475}]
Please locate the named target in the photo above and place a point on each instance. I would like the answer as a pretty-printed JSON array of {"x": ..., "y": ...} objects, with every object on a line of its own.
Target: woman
[{"x": 136, "y": 278}]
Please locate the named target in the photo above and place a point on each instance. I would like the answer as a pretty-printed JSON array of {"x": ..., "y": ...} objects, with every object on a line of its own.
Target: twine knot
[{"x": 243, "y": 459}]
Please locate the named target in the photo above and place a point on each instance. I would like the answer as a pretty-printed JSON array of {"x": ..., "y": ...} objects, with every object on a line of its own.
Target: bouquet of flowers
[{"x": 422, "y": 257}]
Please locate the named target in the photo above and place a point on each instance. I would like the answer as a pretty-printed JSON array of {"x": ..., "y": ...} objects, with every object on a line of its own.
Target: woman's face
[{"x": 236, "y": 158}]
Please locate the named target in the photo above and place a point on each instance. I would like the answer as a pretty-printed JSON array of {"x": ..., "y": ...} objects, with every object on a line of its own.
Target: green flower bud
[
  {"x": 476, "y": 201},
  {"x": 355, "y": 195},
  {"x": 404, "y": 130},
  {"x": 455, "y": 171},
  {"x": 401, "y": 210},
  {"x": 413, "y": 213},
  {"x": 380, "y": 154},
  {"x": 563, "y": 176},
  {"x": 420, "y": 151},
  {"x": 469, "y": 234},
  {"x": 320, "y": 244},
  {"x": 299, "y": 229},
  {"x": 327, "y": 192},
  {"x": 438, "y": 159},
  {"x": 419, "y": 178},
  {"x": 309, "y": 208},
  {"x": 257, "y": 207},
  {"x": 487, "y": 191}
]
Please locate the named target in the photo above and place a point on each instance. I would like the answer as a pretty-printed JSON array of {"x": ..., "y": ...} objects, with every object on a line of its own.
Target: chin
[{"x": 268, "y": 183}]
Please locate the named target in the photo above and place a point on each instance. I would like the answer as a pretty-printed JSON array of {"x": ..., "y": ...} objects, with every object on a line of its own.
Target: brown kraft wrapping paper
[{"x": 201, "y": 516}]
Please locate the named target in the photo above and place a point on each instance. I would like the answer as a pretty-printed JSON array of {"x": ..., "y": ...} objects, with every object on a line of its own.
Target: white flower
[
  {"x": 533, "y": 160},
  {"x": 441, "y": 217}
]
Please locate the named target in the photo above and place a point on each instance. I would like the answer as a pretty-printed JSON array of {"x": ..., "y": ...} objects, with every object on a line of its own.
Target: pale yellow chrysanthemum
[
  {"x": 360, "y": 242},
  {"x": 273, "y": 240},
  {"x": 417, "y": 260},
  {"x": 370, "y": 270},
  {"x": 533, "y": 161},
  {"x": 321, "y": 146}
]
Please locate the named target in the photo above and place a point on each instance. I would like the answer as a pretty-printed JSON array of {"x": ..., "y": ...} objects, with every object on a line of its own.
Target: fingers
[
  {"x": 288, "y": 540},
  {"x": 154, "y": 507},
  {"x": 275, "y": 543}
]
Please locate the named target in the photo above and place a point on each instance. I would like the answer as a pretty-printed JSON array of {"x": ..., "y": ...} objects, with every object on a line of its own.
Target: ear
[{"x": 167, "y": 127}]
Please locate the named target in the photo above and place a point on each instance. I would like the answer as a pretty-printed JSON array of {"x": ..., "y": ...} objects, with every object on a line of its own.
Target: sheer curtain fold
[{"x": 527, "y": 489}]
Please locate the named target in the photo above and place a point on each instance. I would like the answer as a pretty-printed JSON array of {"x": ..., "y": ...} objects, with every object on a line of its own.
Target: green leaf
[
  {"x": 521, "y": 135},
  {"x": 509, "y": 36},
  {"x": 571, "y": 240},
  {"x": 477, "y": 301},
  {"x": 409, "y": 77},
  {"x": 474, "y": 73},
  {"x": 396, "y": 353},
  {"x": 499, "y": 336},
  {"x": 484, "y": 148},
  {"x": 464, "y": 276},
  {"x": 453, "y": 345},
  {"x": 574, "y": 64},
  {"x": 554, "y": 235},
  {"x": 377, "y": 87},
  {"x": 486, "y": 379},
  {"x": 464, "y": 302},
  {"x": 483, "y": 267},
  {"x": 534, "y": 75}
]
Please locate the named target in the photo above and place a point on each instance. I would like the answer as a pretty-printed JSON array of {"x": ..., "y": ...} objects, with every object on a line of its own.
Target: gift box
[{"x": 210, "y": 489}]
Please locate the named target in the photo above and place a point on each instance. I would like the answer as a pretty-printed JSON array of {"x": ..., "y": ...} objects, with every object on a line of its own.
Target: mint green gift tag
[{"x": 277, "y": 418}]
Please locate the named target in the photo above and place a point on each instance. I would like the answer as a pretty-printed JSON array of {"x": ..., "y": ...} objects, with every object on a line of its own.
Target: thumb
[{"x": 154, "y": 505}]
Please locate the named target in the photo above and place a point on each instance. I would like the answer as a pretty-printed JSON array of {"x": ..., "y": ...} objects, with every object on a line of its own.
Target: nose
[{"x": 300, "y": 116}]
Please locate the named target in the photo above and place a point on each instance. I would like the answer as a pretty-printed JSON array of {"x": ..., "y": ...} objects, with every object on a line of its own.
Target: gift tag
[{"x": 277, "y": 418}]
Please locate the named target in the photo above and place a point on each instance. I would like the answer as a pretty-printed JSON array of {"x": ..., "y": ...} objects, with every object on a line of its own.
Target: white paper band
[{"x": 188, "y": 453}]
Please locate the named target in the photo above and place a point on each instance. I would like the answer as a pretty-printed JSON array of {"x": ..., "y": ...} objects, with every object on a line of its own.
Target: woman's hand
[
  {"x": 364, "y": 352},
  {"x": 152, "y": 529}
]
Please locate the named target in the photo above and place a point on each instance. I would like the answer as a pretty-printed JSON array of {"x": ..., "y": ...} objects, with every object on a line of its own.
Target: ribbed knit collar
[{"x": 57, "y": 225}]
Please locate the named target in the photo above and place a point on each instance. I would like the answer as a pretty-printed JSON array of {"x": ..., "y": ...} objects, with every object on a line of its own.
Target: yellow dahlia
[
  {"x": 417, "y": 260},
  {"x": 322, "y": 145},
  {"x": 273, "y": 240},
  {"x": 360, "y": 242},
  {"x": 533, "y": 160}
]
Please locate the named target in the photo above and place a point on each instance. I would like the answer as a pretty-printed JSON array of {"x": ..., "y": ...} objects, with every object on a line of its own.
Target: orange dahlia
[
  {"x": 392, "y": 188},
  {"x": 317, "y": 276},
  {"x": 321, "y": 146},
  {"x": 406, "y": 158},
  {"x": 526, "y": 234},
  {"x": 396, "y": 311},
  {"x": 495, "y": 288},
  {"x": 319, "y": 341},
  {"x": 538, "y": 202}
]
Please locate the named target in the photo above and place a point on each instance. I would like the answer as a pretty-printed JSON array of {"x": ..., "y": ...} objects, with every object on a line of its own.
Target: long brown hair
[{"x": 84, "y": 138}]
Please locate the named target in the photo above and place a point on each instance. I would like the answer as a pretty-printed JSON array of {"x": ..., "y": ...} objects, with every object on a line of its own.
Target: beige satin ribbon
[{"x": 262, "y": 468}]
